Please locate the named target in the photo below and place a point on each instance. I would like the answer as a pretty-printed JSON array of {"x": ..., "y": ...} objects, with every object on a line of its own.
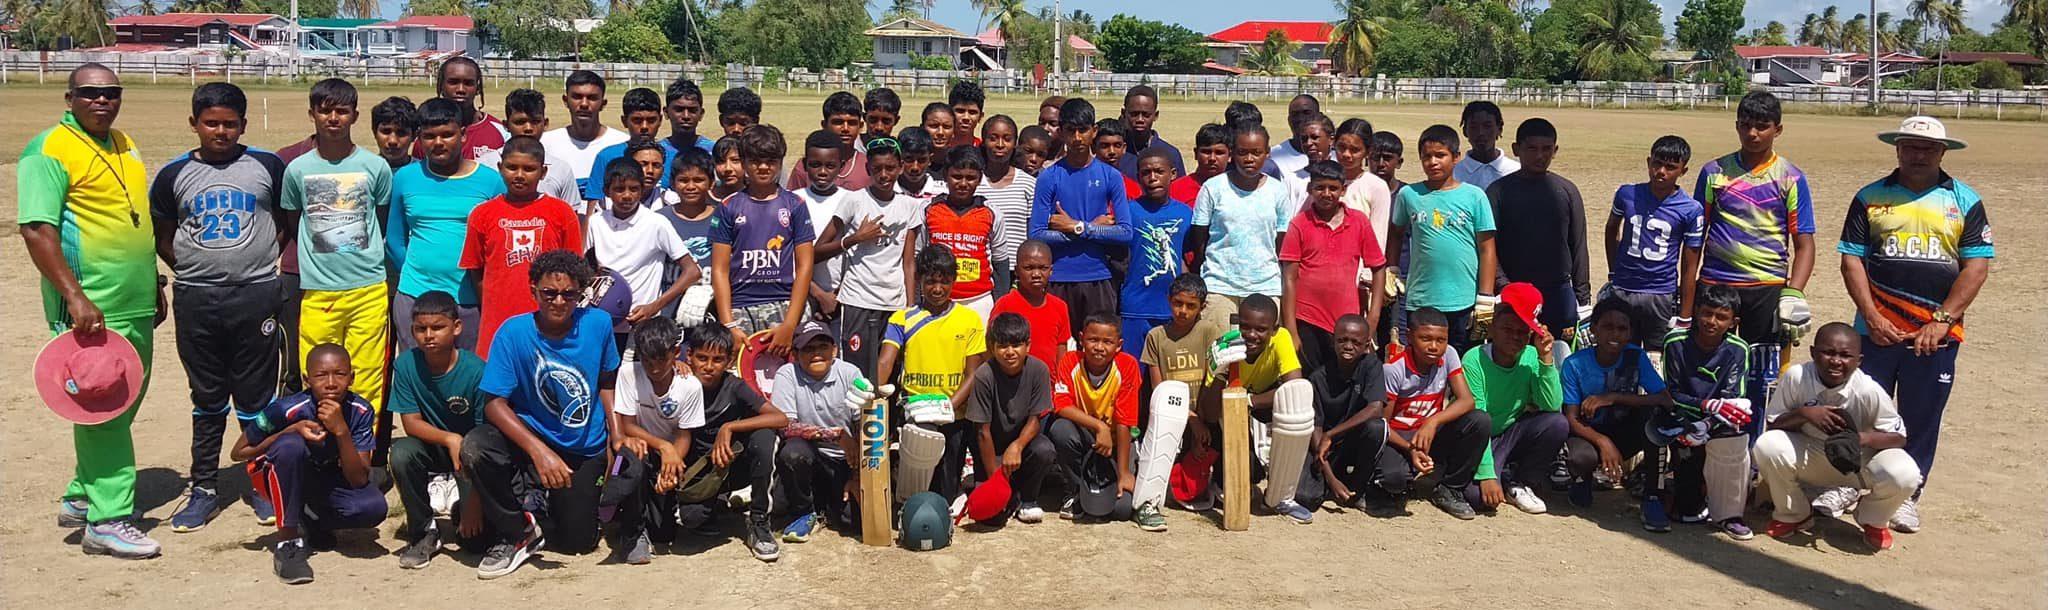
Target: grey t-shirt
[
  {"x": 816, "y": 402},
  {"x": 224, "y": 214},
  {"x": 1006, "y": 403}
]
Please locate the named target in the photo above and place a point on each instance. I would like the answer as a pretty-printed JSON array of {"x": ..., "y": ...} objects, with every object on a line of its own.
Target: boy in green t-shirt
[
  {"x": 1447, "y": 228},
  {"x": 1514, "y": 380},
  {"x": 434, "y": 392},
  {"x": 1179, "y": 351}
]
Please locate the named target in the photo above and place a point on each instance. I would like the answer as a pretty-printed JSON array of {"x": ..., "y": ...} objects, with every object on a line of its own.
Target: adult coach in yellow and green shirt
[{"x": 84, "y": 207}]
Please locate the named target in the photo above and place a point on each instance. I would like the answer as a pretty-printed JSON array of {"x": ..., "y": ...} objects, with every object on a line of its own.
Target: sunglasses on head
[
  {"x": 889, "y": 143},
  {"x": 97, "y": 92}
]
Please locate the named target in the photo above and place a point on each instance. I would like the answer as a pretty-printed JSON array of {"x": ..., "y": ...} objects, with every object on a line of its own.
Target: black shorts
[
  {"x": 1084, "y": 298},
  {"x": 1757, "y": 314},
  {"x": 1649, "y": 315},
  {"x": 860, "y": 335},
  {"x": 228, "y": 340}
]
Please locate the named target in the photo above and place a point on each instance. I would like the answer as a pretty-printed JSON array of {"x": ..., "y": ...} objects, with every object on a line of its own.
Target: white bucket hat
[{"x": 1921, "y": 128}]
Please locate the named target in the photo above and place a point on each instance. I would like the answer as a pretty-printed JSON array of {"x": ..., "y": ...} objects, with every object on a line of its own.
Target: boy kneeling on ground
[{"x": 309, "y": 454}]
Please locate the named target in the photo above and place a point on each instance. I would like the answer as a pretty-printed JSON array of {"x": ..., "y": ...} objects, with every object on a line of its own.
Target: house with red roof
[
  {"x": 424, "y": 34},
  {"x": 1229, "y": 45},
  {"x": 245, "y": 31},
  {"x": 1788, "y": 65},
  {"x": 991, "y": 52}
]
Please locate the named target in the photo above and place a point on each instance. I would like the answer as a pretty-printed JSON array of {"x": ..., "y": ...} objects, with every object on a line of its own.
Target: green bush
[
  {"x": 930, "y": 62},
  {"x": 1995, "y": 74},
  {"x": 625, "y": 39}
]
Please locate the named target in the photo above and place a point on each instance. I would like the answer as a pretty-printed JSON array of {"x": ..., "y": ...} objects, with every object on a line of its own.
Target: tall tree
[
  {"x": 814, "y": 34},
  {"x": 1356, "y": 34},
  {"x": 1773, "y": 34},
  {"x": 2031, "y": 18},
  {"x": 1828, "y": 33},
  {"x": 1275, "y": 56},
  {"x": 530, "y": 28},
  {"x": 1943, "y": 17},
  {"x": 1615, "y": 45},
  {"x": 362, "y": 9},
  {"x": 1133, "y": 45},
  {"x": 1856, "y": 33},
  {"x": 1888, "y": 34},
  {"x": 1006, "y": 16},
  {"x": 899, "y": 9},
  {"x": 1809, "y": 30},
  {"x": 1710, "y": 27},
  {"x": 1910, "y": 33}
]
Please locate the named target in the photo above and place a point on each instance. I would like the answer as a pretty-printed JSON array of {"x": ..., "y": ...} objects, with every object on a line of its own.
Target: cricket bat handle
[
  {"x": 1237, "y": 466},
  {"x": 875, "y": 495}
]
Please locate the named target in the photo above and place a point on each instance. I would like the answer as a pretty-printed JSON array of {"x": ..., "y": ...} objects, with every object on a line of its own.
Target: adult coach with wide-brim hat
[
  {"x": 84, "y": 210},
  {"x": 1915, "y": 251}
]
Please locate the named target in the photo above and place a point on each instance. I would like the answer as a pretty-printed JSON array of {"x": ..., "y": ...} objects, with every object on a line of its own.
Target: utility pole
[
  {"x": 1874, "y": 75},
  {"x": 1059, "y": 42},
  {"x": 292, "y": 63}
]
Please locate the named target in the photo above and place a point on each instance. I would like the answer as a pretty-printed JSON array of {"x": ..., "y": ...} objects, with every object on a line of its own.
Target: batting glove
[
  {"x": 1732, "y": 412},
  {"x": 1227, "y": 351},
  {"x": 1485, "y": 302},
  {"x": 935, "y": 409},
  {"x": 1794, "y": 316},
  {"x": 859, "y": 393}
]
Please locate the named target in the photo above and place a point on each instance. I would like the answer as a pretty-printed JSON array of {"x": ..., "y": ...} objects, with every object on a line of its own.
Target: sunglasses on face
[
  {"x": 547, "y": 296},
  {"x": 97, "y": 92}
]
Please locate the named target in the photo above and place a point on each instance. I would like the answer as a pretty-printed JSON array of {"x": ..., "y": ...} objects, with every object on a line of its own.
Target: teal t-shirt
[
  {"x": 1505, "y": 393},
  {"x": 340, "y": 237},
  {"x": 451, "y": 401},
  {"x": 429, "y": 220},
  {"x": 1443, "y": 237}
]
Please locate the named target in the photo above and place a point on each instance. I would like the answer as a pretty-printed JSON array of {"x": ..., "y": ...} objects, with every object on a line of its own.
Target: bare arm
[
  {"x": 1802, "y": 261},
  {"x": 1489, "y": 266}
]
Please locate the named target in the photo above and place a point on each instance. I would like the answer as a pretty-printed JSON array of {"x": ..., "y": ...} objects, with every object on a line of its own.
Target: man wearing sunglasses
[{"x": 82, "y": 193}]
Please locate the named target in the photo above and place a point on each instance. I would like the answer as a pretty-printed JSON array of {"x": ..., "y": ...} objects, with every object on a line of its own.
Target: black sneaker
[
  {"x": 762, "y": 541},
  {"x": 505, "y": 557},
  {"x": 421, "y": 552},
  {"x": 288, "y": 561},
  {"x": 319, "y": 538},
  {"x": 1452, "y": 502},
  {"x": 1380, "y": 504}
]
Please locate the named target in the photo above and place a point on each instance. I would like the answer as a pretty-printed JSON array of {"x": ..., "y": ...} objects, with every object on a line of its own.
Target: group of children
[{"x": 1027, "y": 300}]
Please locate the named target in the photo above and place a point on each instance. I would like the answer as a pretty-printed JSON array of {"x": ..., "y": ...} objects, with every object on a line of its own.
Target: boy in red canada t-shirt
[{"x": 508, "y": 232}]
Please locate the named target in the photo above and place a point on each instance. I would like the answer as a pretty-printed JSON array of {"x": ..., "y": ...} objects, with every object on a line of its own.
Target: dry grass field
[{"x": 1983, "y": 546}]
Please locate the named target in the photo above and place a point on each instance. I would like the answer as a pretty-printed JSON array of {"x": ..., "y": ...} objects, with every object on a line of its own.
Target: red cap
[
  {"x": 1190, "y": 476},
  {"x": 1525, "y": 299},
  {"x": 990, "y": 498}
]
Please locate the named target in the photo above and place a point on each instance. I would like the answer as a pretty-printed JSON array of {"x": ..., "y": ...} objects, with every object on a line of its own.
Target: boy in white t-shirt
[
  {"x": 1831, "y": 425},
  {"x": 658, "y": 407},
  {"x": 823, "y": 198},
  {"x": 874, "y": 235},
  {"x": 1484, "y": 161},
  {"x": 636, "y": 243},
  {"x": 579, "y": 142}
]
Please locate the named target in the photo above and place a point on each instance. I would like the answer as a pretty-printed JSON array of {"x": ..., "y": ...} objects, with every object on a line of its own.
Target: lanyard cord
[{"x": 116, "y": 171}]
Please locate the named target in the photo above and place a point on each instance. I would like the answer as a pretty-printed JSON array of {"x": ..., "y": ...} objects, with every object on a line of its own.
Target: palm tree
[
  {"x": 1856, "y": 33},
  {"x": 1274, "y": 57},
  {"x": 1613, "y": 36},
  {"x": 1809, "y": 30},
  {"x": 1355, "y": 36},
  {"x": 362, "y": 9},
  {"x": 1006, "y": 16},
  {"x": 1910, "y": 32},
  {"x": 1828, "y": 31},
  {"x": 899, "y": 9},
  {"x": 1774, "y": 32},
  {"x": 1944, "y": 17},
  {"x": 1888, "y": 34},
  {"x": 2032, "y": 17}
]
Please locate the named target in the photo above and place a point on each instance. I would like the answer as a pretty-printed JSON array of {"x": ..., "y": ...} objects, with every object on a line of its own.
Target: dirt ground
[{"x": 1982, "y": 547}]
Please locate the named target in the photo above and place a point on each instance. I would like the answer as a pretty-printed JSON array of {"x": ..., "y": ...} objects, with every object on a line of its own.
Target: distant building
[
  {"x": 896, "y": 42},
  {"x": 334, "y": 36},
  {"x": 419, "y": 34},
  {"x": 991, "y": 52},
  {"x": 247, "y": 32},
  {"x": 1854, "y": 68},
  {"x": 1228, "y": 46},
  {"x": 1787, "y": 65}
]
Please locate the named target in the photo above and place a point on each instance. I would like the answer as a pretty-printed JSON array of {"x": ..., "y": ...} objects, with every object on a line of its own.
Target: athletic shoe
[
  {"x": 1736, "y": 529},
  {"x": 1067, "y": 510},
  {"x": 1693, "y": 518},
  {"x": 761, "y": 540},
  {"x": 1202, "y": 503},
  {"x": 318, "y": 538},
  {"x": 118, "y": 539},
  {"x": 641, "y": 552},
  {"x": 71, "y": 513},
  {"x": 505, "y": 557},
  {"x": 265, "y": 513},
  {"x": 1149, "y": 519},
  {"x": 1560, "y": 474},
  {"x": 958, "y": 509},
  {"x": 1524, "y": 498},
  {"x": 800, "y": 529},
  {"x": 1779, "y": 530},
  {"x": 442, "y": 494},
  {"x": 1029, "y": 512},
  {"x": 200, "y": 507},
  {"x": 1452, "y": 502},
  {"x": 738, "y": 499},
  {"x": 1378, "y": 503},
  {"x": 1581, "y": 493},
  {"x": 1835, "y": 501},
  {"x": 421, "y": 552},
  {"x": 288, "y": 562},
  {"x": 1907, "y": 520},
  {"x": 1296, "y": 512},
  {"x": 1879, "y": 539},
  {"x": 1654, "y": 517}
]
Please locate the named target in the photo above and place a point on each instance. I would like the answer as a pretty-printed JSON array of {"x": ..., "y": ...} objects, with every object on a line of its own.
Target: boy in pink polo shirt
[{"x": 1326, "y": 239}]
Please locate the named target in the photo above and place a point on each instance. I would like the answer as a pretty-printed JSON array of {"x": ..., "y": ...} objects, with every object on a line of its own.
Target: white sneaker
[
  {"x": 442, "y": 494},
  {"x": 959, "y": 507},
  {"x": 1835, "y": 501},
  {"x": 1029, "y": 512},
  {"x": 1907, "y": 520},
  {"x": 1524, "y": 498}
]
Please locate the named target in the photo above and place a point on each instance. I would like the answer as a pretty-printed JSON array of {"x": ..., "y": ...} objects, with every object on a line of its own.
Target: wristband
[{"x": 733, "y": 324}]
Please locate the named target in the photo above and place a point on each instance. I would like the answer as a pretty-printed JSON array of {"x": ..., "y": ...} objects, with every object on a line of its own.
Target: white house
[
  {"x": 419, "y": 33},
  {"x": 1786, "y": 65},
  {"x": 896, "y": 42}
]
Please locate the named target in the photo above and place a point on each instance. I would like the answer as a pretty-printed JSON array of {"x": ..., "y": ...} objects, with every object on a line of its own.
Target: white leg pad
[
  {"x": 1170, "y": 402},
  {"x": 1294, "y": 424},
  {"x": 922, "y": 448}
]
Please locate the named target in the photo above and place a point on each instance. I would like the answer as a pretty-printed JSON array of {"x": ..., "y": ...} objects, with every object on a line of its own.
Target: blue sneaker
[
  {"x": 1654, "y": 517},
  {"x": 200, "y": 507},
  {"x": 265, "y": 513},
  {"x": 1581, "y": 493},
  {"x": 71, "y": 512},
  {"x": 118, "y": 539},
  {"x": 1295, "y": 512},
  {"x": 800, "y": 529}
]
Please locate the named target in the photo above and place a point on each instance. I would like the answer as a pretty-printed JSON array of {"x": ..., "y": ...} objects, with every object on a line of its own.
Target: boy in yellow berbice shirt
[
  {"x": 1270, "y": 362},
  {"x": 939, "y": 345}
]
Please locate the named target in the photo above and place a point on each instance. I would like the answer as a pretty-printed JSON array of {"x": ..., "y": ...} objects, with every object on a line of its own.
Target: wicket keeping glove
[{"x": 1794, "y": 316}]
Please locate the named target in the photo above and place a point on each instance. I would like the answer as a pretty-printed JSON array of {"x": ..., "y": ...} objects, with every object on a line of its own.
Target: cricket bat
[
  {"x": 1237, "y": 458},
  {"x": 876, "y": 499}
]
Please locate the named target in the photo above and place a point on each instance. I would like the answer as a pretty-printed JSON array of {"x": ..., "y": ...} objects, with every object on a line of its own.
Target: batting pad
[
  {"x": 1170, "y": 402},
  {"x": 922, "y": 448},
  {"x": 1294, "y": 423}
]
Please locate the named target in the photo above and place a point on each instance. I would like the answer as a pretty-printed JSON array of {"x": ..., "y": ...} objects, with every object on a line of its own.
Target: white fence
[{"x": 2026, "y": 105}]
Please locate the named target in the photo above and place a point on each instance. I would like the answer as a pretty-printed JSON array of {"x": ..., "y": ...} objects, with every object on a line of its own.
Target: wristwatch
[
  {"x": 1942, "y": 316},
  {"x": 1079, "y": 229}
]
